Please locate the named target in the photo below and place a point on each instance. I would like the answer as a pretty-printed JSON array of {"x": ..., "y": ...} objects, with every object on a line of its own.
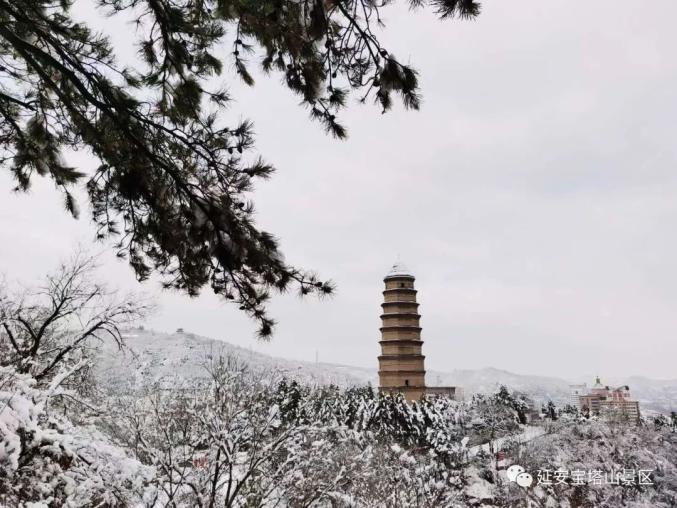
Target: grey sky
[{"x": 534, "y": 197}]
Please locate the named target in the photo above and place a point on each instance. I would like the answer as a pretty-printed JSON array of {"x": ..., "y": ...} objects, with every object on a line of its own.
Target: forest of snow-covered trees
[{"x": 241, "y": 436}]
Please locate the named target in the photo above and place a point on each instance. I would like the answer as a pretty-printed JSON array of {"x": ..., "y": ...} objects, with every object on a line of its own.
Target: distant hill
[
  {"x": 157, "y": 357},
  {"x": 169, "y": 357},
  {"x": 486, "y": 380}
]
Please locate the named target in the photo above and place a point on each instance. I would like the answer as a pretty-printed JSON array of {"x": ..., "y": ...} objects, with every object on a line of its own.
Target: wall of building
[
  {"x": 401, "y": 333},
  {"x": 622, "y": 408},
  {"x": 390, "y": 379},
  {"x": 401, "y": 348},
  {"x": 399, "y": 282},
  {"x": 400, "y": 320},
  {"x": 400, "y": 306},
  {"x": 399, "y": 296}
]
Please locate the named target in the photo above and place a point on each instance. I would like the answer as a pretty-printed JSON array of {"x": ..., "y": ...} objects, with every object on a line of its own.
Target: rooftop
[{"x": 399, "y": 270}]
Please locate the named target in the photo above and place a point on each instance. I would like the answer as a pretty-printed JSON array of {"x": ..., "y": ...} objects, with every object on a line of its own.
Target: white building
[{"x": 575, "y": 392}]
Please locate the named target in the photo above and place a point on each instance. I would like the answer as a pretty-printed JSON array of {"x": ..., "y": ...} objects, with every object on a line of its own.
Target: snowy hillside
[
  {"x": 486, "y": 380},
  {"x": 157, "y": 357},
  {"x": 164, "y": 357}
]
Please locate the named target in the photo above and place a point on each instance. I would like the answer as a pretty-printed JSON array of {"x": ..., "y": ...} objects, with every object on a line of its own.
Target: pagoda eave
[{"x": 400, "y": 327}]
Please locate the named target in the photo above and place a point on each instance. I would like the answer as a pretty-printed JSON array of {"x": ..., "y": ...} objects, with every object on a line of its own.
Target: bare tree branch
[{"x": 68, "y": 312}]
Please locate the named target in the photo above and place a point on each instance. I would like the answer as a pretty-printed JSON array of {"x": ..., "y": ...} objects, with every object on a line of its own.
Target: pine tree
[{"x": 174, "y": 175}]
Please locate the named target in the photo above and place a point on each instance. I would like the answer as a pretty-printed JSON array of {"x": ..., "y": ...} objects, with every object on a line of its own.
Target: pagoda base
[{"x": 412, "y": 393}]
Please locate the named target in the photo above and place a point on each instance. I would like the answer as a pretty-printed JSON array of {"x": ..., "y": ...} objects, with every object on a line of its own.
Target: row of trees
[
  {"x": 240, "y": 440},
  {"x": 241, "y": 437}
]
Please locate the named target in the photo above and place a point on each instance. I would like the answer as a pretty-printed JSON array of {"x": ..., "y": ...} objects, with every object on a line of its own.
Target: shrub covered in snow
[
  {"x": 46, "y": 459},
  {"x": 603, "y": 460}
]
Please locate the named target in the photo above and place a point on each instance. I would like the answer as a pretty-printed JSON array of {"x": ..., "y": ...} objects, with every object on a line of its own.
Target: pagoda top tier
[{"x": 399, "y": 270}]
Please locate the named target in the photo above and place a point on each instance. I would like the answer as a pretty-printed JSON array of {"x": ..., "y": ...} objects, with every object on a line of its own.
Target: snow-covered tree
[
  {"x": 600, "y": 466},
  {"x": 494, "y": 416},
  {"x": 45, "y": 338},
  {"x": 48, "y": 461},
  {"x": 55, "y": 325}
]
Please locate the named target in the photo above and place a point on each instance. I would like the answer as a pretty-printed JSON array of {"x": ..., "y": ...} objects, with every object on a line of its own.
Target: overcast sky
[{"x": 534, "y": 197}]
